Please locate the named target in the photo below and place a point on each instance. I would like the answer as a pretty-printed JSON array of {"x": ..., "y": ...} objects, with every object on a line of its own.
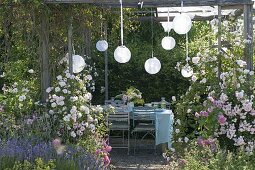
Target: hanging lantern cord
[
  {"x": 168, "y": 22},
  {"x": 121, "y": 22},
  {"x": 181, "y": 6},
  {"x": 187, "y": 48},
  {"x": 152, "y": 32},
  {"x": 73, "y": 50}
]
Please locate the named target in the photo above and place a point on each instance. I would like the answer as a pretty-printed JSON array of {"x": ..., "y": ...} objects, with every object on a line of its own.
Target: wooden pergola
[{"x": 240, "y": 6}]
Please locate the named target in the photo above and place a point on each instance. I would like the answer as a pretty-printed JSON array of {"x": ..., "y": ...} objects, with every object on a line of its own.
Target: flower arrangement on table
[{"x": 131, "y": 95}]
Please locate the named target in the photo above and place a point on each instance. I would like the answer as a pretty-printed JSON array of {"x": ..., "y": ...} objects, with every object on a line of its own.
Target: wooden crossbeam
[{"x": 156, "y": 3}]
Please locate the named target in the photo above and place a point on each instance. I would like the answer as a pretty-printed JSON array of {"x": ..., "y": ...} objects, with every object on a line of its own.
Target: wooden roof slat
[{"x": 156, "y": 3}]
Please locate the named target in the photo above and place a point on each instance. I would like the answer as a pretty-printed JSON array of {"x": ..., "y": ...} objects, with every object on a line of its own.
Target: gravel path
[{"x": 144, "y": 159}]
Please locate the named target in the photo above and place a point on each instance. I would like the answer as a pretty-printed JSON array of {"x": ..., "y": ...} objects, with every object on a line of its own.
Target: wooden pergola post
[
  {"x": 248, "y": 36},
  {"x": 219, "y": 41},
  {"x": 70, "y": 45},
  {"x": 44, "y": 54},
  {"x": 106, "y": 74}
]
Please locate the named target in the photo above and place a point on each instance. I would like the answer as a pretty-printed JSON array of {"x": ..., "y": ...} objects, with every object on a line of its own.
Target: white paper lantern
[
  {"x": 152, "y": 65},
  {"x": 182, "y": 24},
  {"x": 167, "y": 26},
  {"x": 187, "y": 71},
  {"x": 78, "y": 63},
  {"x": 122, "y": 54},
  {"x": 102, "y": 45},
  {"x": 168, "y": 43}
]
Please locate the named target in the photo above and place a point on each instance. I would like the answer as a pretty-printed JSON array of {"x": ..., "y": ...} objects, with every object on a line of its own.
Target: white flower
[
  {"x": 2, "y": 75},
  {"x": 247, "y": 106},
  {"x": 22, "y": 98},
  {"x": 89, "y": 118},
  {"x": 15, "y": 90},
  {"x": 59, "y": 77},
  {"x": 84, "y": 109},
  {"x": 51, "y": 112},
  {"x": 61, "y": 103},
  {"x": 178, "y": 121},
  {"x": 73, "y": 134},
  {"x": 194, "y": 78},
  {"x": 53, "y": 104},
  {"x": 179, "y": 139},
  {"x": 92, "y": 127},
  {"x": 251, "y": 73},
  {"x": 239, "y": 95},
  {"x": 177, "y": 130},
  {"x": 31, "y": 71},
  {"x": 88, "y": 96},
  {"x": 241, "y": 63},
  {"x": 62, "y": 83},
  {"x": 64, "y": 91},
  {"x": 186, "y": 140},
  {"x": 74, "y": 117},
  {"x": 195, "y": 60},
  {"x": 79, "y": 114},
  {"x": 223, "y": 97},
  {"x": 189, "y": 110},
  {"x": 25, "y": 90},
  {"x": 68, "y": 75},
  {"x": 57, "y": 89},
  {"x": 67, "y": 118},
  {"x": 89, "y": 77},
  {"x": 174, "y": 98},
  {"x": 48, "y": 90},
  {"x": 73, "y": 98},
  {"x": 72, "y": 77},
  {"x": 73, "y": 111},
  {"x": 203, "y": 81},
  {"x": 246, "y": 71}
]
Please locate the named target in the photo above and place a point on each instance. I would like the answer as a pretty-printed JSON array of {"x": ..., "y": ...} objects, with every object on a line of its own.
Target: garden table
[
  {"x": 164, "y": 120},
  {"x": 164, "y": 126}
]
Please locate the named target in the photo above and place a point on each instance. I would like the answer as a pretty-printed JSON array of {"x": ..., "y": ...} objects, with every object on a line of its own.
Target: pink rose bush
[{"x": 223, "y": 106}]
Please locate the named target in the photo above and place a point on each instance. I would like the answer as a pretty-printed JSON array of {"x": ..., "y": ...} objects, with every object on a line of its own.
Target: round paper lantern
[
  {"x": 168, "y": 43},
  {"x": 187, "y": 71},
  {"x": 78, "y": 63},
  {"x": 152, "y": 65},
  {"x": 122, "y": 54},
  {"x": 102, "y": 45},
  {"x": 182, "y": 23}
]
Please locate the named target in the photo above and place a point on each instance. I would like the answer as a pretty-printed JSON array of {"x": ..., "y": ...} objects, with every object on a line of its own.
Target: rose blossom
[{"x": 221, "y": 119}]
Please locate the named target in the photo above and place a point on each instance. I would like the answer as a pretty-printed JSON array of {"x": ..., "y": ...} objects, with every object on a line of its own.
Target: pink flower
[
  {"x": 108, "y": 148},
  {"x": 221, "y": 119},
  {"x": 209, "y": 110},
  {"x": 56, "y": 143},
  {"x": 197, "y": 115},
  {"x": 204, "y": 113},
  {"x": 98, "y": 151},
  {"x": 106, "y": 160},
  {"x": 200, "y": 142}
]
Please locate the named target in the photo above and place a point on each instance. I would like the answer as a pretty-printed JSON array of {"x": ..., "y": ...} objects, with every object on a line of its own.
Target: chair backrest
[
  {"x": 143, "y": 114},
  {"x": 108, "y": 102},
  {"x": 120, "y": 115}
]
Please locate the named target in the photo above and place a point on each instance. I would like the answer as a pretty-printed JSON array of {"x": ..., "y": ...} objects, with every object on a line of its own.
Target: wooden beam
[
  {"x": 70, "y": 45},
  {"x": 219, "y": 42},
  {"x": 248, "y": 36},
  {"x": 106, "y": 70},
  {"x": 156, "y": 3},
  {"x": 44, "y": 54}
]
